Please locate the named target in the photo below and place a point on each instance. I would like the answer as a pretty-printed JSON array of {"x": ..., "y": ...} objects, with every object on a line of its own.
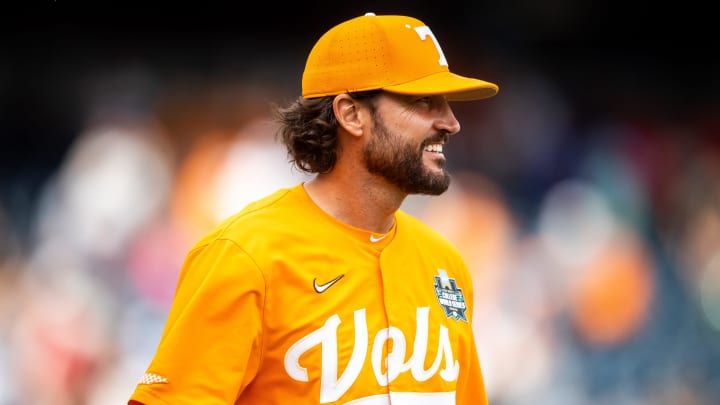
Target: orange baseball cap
[{"x": 395, "y": 53}]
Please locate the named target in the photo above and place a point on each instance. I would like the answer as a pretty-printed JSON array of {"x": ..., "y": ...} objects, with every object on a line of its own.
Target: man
[{"x": 325, "y": 292}]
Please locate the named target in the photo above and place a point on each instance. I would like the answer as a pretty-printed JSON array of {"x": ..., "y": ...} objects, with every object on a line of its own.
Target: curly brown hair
[{"x": 308, "y": 128}]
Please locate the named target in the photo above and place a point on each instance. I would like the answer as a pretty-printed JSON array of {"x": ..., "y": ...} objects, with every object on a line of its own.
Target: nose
[{"x": 446, "y": 119}]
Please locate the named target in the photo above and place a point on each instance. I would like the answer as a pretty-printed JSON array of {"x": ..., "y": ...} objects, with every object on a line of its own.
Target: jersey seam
[{"x": 265, "y": 294}]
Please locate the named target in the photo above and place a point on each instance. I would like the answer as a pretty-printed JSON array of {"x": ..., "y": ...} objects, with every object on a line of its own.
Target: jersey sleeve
[
  {"x": 471, "y": 385},
  {"x": 211, "y": 346}
]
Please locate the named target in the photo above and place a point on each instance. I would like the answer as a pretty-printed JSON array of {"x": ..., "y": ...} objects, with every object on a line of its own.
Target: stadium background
[{"x": 586, "y": 196}]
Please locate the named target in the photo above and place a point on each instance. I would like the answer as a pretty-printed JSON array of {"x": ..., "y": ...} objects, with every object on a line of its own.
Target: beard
[{"x": 401, "y": 162}]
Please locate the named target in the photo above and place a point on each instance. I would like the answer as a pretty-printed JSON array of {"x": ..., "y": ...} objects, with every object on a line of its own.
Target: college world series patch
[{"x": 450, "y": 297}]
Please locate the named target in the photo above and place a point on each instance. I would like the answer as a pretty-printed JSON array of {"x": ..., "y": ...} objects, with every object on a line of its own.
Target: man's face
[{"x": 407, "y": 143}]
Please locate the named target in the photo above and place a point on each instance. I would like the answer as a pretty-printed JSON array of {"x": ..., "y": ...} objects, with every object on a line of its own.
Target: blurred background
[{"x": 586, "y": 194}]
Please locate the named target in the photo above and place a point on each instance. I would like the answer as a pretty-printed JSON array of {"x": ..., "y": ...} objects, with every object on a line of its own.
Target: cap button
[{"x": 369, "y": 14}]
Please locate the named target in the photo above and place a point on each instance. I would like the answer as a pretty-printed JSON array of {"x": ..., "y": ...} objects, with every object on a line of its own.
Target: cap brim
[{"x": 455, "y": 87}]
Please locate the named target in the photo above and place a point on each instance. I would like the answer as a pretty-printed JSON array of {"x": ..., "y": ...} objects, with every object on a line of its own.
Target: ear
[{"x": 348, "y": 113}]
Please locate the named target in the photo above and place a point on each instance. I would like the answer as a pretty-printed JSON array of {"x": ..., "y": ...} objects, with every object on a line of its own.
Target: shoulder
[
  {"x": 413, "y": 227},
  {"x": 414, "y": 233},
  {"x": 265, "y": 217}
]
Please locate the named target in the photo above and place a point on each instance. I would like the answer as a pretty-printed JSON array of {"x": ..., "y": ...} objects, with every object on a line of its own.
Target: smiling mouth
[
  {"x": 433, "y": 152},
  {"x": 436, "y": 143},
  {"x": 434, "y": 148}
]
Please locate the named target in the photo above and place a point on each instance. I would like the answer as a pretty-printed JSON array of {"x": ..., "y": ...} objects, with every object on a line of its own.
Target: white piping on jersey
[
  {"x": 407, "y": 398},
  {"x": 333, "y": 387}
]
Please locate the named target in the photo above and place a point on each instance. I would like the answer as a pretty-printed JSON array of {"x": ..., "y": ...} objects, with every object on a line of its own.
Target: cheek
[
  {"x": 410, "y": 120},
  {"x": 413, "y": 131}
]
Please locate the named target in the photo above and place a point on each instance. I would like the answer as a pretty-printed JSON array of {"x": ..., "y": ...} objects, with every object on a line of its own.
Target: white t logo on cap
[{"x": 424, "y": 32}]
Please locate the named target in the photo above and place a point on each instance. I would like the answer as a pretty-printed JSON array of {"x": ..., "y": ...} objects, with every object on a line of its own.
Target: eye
[{"x": 423, "y": 101}]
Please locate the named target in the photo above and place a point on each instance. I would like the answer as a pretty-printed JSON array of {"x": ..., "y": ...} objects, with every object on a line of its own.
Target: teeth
[{"x": 435, "y": 147}]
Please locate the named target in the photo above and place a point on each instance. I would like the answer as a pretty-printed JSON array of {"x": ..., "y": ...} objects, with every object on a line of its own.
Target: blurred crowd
[{"x": 594, "y": 240}]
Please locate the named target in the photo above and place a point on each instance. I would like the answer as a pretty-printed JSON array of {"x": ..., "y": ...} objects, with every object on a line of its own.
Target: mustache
[{"x": 438, "y": 137}]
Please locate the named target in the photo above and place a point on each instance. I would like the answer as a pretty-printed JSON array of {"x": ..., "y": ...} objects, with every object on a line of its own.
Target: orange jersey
[{"x": 283, "y": 304}]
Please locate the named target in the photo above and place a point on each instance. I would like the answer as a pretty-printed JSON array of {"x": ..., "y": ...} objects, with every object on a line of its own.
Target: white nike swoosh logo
[
  {"x": 320, "y": 288},
  {"x": 374, "y": 239}
]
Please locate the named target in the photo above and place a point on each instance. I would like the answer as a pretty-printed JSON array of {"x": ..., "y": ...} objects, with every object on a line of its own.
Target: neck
[{"x": 368, "y": 203}]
